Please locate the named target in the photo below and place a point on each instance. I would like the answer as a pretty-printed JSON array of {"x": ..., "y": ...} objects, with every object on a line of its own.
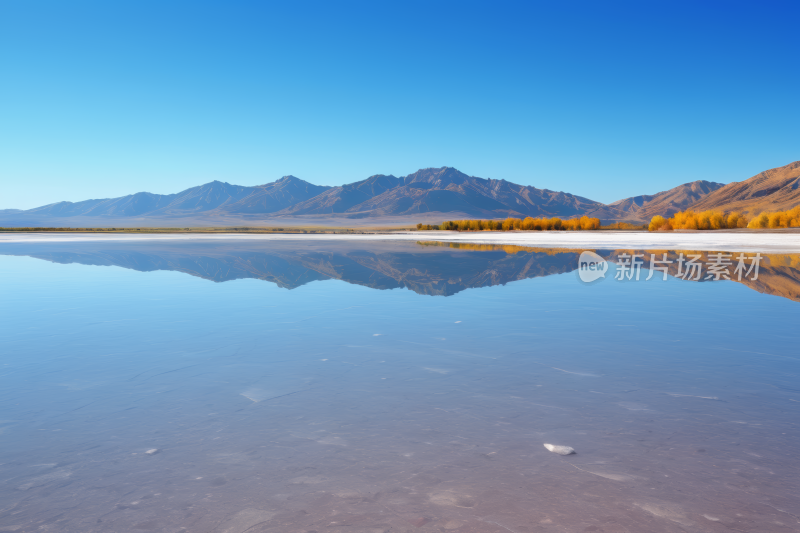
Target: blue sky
[{"x": 602, "y": 99}]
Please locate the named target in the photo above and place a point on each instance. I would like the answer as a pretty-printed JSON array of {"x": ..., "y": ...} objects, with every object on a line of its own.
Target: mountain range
[{"x": 430, "y": 194}]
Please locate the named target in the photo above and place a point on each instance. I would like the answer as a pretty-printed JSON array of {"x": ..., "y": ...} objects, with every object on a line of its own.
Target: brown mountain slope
[
  {"x": 341, "y": 199},
  {"x": 516, "y": 199},
  {"x": 275, "y": 196},
  {"x": 444, "y": 190},
  {"x": 432, "y": 189},
  {"x": 777, "y": 189},
  {"x": 666, "y": 203}
]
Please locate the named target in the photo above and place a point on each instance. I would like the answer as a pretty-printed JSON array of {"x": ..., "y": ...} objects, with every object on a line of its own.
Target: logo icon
[{"x": 591, "y": 267}]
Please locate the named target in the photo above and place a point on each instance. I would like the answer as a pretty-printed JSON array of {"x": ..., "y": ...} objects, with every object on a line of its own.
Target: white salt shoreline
[{"x": 703, "y": 241}]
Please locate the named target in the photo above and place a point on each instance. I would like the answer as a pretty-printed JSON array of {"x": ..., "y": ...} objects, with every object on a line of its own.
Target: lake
[{"x": 343, "y": 386}]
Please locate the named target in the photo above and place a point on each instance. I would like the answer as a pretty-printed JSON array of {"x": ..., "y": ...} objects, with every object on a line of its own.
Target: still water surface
[{"x": 390, "y": 387}]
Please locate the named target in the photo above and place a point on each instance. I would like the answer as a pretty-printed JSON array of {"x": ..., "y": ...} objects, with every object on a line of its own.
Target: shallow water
[{"x": 282, "y": 392}]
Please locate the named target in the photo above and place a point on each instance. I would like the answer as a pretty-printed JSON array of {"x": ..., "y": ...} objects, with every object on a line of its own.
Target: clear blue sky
[{"x": 605, "y": 99}]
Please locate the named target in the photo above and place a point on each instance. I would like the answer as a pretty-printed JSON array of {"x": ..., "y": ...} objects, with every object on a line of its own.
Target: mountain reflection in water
[
  {"x": 425, "y": 267},
  {"x": 134, "y": 400}
]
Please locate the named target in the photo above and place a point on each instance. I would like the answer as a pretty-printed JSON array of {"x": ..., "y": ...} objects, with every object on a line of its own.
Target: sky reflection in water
[{"x": 337, "y": 407}]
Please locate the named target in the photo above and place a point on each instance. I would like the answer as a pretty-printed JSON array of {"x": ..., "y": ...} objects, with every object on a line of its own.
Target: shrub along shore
[
  {"x": 708, "y": 220},
  {"x": 705, "y": 220},
  {"x": 509, "y": 224}
]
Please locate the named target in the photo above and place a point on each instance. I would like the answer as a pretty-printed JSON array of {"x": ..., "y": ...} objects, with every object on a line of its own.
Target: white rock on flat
[{"x": 560, "y": 450}]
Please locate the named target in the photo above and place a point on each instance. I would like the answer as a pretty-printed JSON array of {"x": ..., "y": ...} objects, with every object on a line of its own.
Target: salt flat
[{"x": 788, "y": 242}]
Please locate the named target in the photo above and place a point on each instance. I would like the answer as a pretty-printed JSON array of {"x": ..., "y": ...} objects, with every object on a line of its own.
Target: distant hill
[
  {"x": 666, "y": 203},
  {"x": 205, "y": 198},
  {"x": 777, "y": 189},
  {"x": 196, "y": 199},
  {"x": 428, "y": 195}
]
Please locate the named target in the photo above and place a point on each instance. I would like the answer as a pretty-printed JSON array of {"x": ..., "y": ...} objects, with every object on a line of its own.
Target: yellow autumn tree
[
  {"x": 713, "y": 220},
  {"x": 511, "y": 223},
  {"x": 658, "y": 223},
  {"x": 706, "y": 220}
]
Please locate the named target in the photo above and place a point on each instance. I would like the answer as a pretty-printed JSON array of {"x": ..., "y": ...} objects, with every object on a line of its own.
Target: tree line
[
  {"x": 58, "y": 229},
  {"x": 710, "y": 220},
  {"x": 510, "y": 224}
]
